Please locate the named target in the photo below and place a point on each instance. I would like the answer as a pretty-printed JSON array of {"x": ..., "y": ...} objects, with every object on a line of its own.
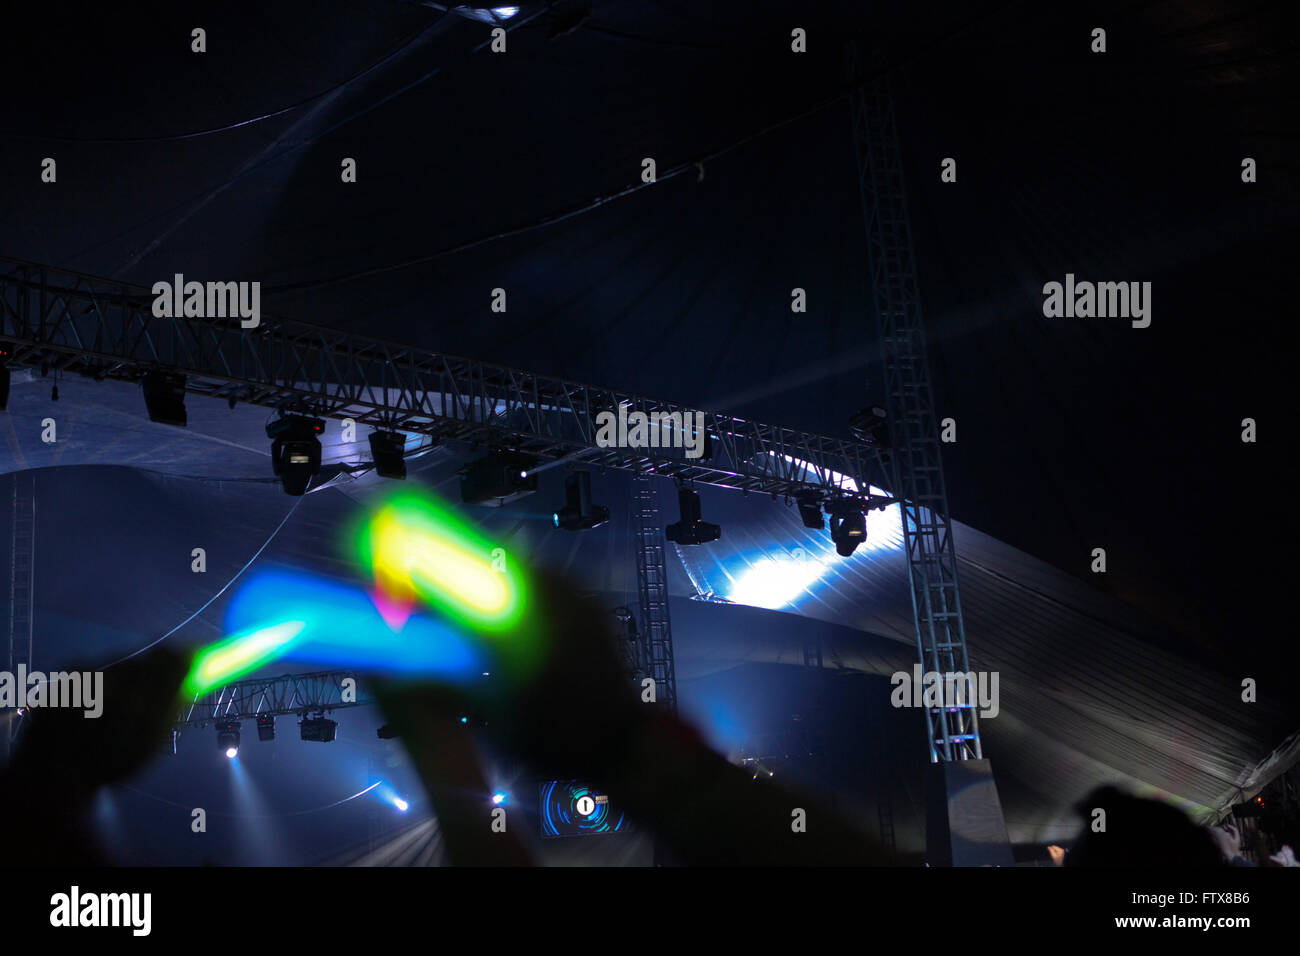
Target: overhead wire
[
  {"x": 199, "y": 199},
  {"x": 673, "y": 172},
  {"x": 237, "y": 124}
]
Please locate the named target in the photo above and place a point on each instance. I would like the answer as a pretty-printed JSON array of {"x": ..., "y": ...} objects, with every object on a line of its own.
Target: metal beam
[
  {"x": 102, "y": 329},
  {"x": 915, "y": 462},
  {"x": 300, "y": 694}
]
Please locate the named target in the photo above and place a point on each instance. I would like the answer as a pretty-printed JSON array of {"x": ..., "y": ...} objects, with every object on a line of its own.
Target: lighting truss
[
  {"x": 76, "y": 323},
  {"x": 301, "y": 694}
]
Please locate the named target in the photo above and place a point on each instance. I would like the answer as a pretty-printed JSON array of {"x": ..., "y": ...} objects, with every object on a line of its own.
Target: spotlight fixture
[
  {"x": 810, "y": 510},
  {"x": 228, "y": 737},
  {"x": 848, "y": 524},
  {"x": 871, "y": 425},
  {"x": 499, "y": 476},
  {"x": 691, "y": 529},
  {"x": 266, "y": 727},
  {"x": 164, "y": 397},
  {"x": 295, "y": 451},
  {"x": 387, "y": 450},
  {"x": 578, "y": 513},
  {"x": 320, "y": 729},
  {"x": 401, "y": 804},
  {"x": 481, "y": 14}
]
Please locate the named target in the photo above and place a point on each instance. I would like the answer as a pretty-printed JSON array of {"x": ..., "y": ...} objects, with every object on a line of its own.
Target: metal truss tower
[
  {"x": 22, "y": 526},
  {"x": 964, "y": 822},
  {"x": 652, "y": 590},
  {"x": 914, "y": 460}
]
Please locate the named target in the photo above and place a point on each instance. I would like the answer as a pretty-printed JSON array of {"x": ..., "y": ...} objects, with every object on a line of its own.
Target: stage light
[
  {"x": 164, "y": 397},
  {"x": 578, "y": 513},
  {"x": 691, "y": 529},
  {"x": 484, "y": 14},
  {"x": 810, "y": 510},
  {"x": 384, "y": 791},
  {"x": 228, "y": 737},
  {"x": 266, "y": 727},
  {"x": 498, "y": 477},
  {"x": 871, "y": 425},
  {"x": 295, "y": 451},
  {"x": 317, "y": 729},
  {"x": 498, "y": 798},
  {"x": 388, "y": 451},
  {"x": 848, "y": 525}
]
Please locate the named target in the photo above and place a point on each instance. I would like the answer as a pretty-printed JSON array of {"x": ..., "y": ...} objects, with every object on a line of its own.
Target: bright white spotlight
[
  {"x": 401, "y": 804},
  {"x": 498, "y": 798},
  {"x": 485, "y": 14},
  {"x": 231, "y": 751},
  {"x": 773, "y": 583}
]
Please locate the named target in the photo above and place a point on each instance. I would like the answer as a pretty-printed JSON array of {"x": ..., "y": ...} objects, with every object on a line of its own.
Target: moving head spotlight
[
  {"x": 500, "y": 476},
  {"x": 295, "y": 451},
  {"x": 848, "y": 524},
  {"x": 388, "y": 452},
  {"x": 690, "y": 529},
  {"x": 228, "y": 737},
  {"x": 871, "y": 425},
  {"x": 578, "y": 513},
  {"x": 810, "y": 510}
]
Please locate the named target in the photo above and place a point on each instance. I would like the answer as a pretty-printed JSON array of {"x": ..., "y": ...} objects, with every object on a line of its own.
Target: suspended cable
[
  {"x": 687, "y": 166},
  {"x": 224, "y": 588},
  {"x": 291, "y": 813},
  {"x": 239, "y": 124}
]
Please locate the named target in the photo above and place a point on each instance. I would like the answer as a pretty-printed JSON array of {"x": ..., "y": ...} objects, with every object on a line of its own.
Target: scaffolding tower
[
  {"x": 914, "y": 460},
  {"x": 652, "y": 590},
  {"x": 22, "y": 554},
  {"x": 964, "y": 821}
]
